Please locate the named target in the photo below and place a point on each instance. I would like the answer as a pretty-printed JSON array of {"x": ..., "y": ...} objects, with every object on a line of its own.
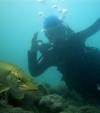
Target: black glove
[{"x": 35, "y": 43}]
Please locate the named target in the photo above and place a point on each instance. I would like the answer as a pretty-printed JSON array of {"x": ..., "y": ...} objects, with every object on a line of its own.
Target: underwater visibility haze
[{"x": 20, "y": 19}]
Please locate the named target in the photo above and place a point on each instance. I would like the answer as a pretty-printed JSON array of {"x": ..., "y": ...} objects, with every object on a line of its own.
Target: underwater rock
[
  {"x": 14, "y": 110},
  {"x": 19, "y": 110},
  {"x": 60, "y": 89},
  {"x": 6, "y": 108},
  {"x": 49, "y": 103},
  {"x": 52, "y": 103},
  {"x": 90, "y": 109},
  {"x": 30, "y": 100},
  {"x": 82, "y": 109}
]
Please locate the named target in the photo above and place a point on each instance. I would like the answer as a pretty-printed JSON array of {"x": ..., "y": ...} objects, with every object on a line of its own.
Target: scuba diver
[{"x": 66, "y": 49}]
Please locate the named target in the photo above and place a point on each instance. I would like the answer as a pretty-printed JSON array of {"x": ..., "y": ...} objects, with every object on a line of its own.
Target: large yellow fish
[{"x": 15, "y": 80}]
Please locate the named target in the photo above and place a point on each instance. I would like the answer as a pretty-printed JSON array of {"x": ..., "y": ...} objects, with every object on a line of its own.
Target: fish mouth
[{"x": 26, "y": 87}]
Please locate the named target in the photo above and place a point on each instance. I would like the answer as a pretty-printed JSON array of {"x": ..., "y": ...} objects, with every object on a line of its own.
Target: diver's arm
[
  {"x": 32, "y": 61},
  {"x": 35, "y": 66},
  {"x": 90, "y": 30}
]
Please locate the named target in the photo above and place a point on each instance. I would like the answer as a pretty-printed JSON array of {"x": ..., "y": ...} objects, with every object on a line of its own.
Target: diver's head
[{"x": 54, "y": 28}]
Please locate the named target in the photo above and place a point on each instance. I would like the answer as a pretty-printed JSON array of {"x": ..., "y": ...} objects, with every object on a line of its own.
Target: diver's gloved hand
[{"x": 35, "y": 43}]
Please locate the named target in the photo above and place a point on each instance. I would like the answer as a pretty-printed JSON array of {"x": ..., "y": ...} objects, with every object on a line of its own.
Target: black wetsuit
[{"x": 79, "y": 65}]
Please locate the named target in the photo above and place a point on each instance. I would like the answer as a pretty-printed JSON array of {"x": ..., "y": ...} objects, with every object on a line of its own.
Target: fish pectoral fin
[
  {"x": 3, "y": 88},
  {"x": 18, "y": 95}
]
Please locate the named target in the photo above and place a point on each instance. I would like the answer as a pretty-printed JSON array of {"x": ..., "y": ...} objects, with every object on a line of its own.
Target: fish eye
[{"x": 19, "y": 80}]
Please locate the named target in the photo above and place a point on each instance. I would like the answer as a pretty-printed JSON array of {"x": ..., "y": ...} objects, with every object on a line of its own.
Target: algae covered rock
[
  {"x": 90, "y": 109},
  {"x": 52, "y": 102},
  {"x": 6, "y": 108},
  {"x": 14, "y": 110}
]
